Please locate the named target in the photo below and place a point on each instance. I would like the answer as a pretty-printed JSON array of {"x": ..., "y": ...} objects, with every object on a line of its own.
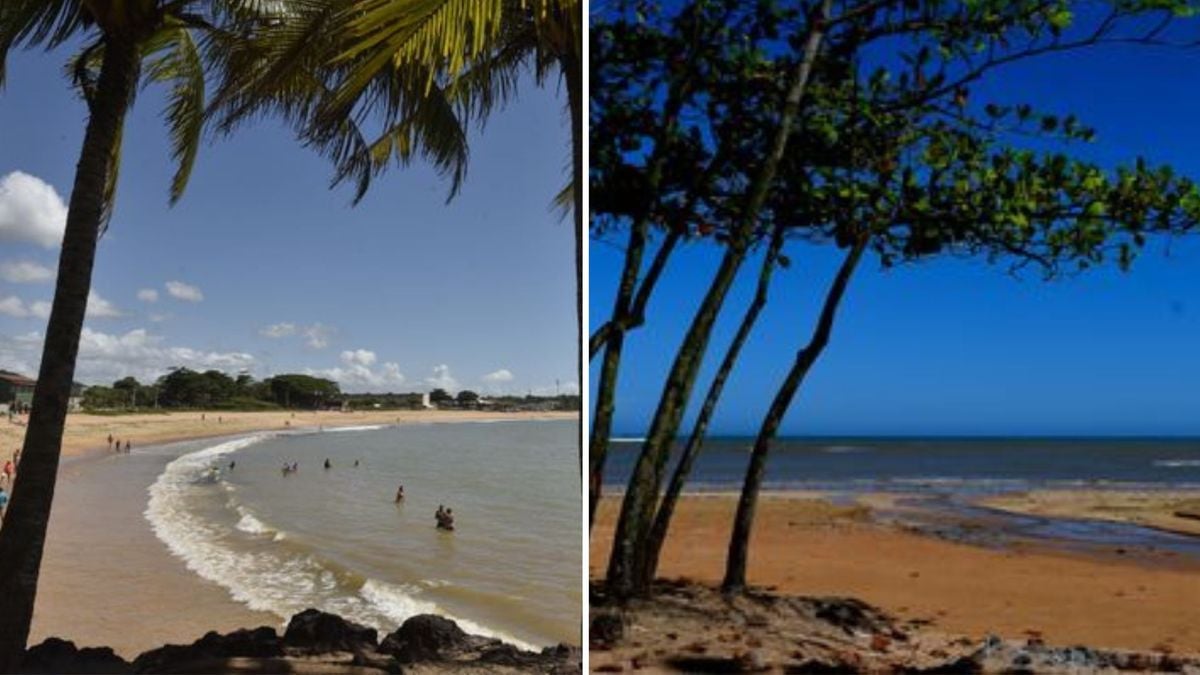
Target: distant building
[
  {"x": 16, "y": 391},
  {"x": 425, "y": 402}
]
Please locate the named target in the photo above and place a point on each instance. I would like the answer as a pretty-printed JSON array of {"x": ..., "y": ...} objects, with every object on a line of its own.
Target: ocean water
[
  {"x": 958, "y": 465},
  {"x": 334, "y": 538}
]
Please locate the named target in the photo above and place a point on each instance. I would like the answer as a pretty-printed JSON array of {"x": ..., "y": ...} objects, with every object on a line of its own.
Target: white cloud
[
  {"x": 147, "y": 295},
  {"x": 99, "y": 308},
  {"x": 278, "y": 330},
  {"x": 13, "y": 306},
  {"x": 105, "y": 357},
  {"x": 182, "y": 291},
  {"x": 560, "y": 388},
  {"x": 317, "y": 335},
  {"x": 159, "y": 318},
  {"x": 362, "y": 357},
  {"x": 40, "y": 309},
  {"x": 442, "y": 379},
  {"x": 31, "y": 211},
  {"x": 25, "y": 272},
  {"x": 502, "y": 375},
  {"x": 356, "y": 373}
]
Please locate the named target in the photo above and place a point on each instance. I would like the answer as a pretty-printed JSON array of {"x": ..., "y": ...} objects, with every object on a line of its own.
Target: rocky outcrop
[
  {"x": 317, "y": 632},
  {"x": 317, "y": 643},
  {"x": 62, "y": 657},
  {"x": 262, "y": 642}
]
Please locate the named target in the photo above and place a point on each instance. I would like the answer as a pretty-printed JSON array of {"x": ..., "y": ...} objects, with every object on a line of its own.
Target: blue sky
[
  {"x": 959, "y": 347},
  {"x": 279, "y": 273}
]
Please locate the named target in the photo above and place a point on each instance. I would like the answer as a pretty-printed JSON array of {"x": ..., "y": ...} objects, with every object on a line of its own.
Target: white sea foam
[
  {"x": 1177, "y": 463},
  {"x": 251, "y": 525},
  {"x": 398, "y": 602},
  {"x": 364, "y": 427},
  {"x": 844, "y": 449},
  {"x": 278, "y": 582}
]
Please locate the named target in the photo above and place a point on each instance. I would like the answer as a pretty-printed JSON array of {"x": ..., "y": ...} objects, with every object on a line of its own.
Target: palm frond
[
  {"x": 26, "y": 23},
  {"x": 174, "y": 58}
]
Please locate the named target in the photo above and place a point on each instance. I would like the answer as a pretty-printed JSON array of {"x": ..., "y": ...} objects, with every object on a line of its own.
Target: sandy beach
[
  {"x": 809, "y": 547},
  {"x": 89, "y": 433},
  {"x": 106, "y": 579},
  {"x": 1173, "y": 511}
]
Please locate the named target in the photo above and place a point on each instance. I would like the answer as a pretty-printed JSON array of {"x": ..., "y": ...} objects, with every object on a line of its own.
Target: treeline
[
  {"x": 183, "y": 388},
  {"x": 212, "y": 389}
]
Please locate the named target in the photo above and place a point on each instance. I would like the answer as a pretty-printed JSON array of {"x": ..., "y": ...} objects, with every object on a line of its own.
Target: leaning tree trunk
[
  {"x": 23, "y": 535},
  {"x": 615, "y": 328},
  {"x": 607, "y": 387},
  {"x": 572, "y": 67},
  {"x": 627, "y": 563},
  {"x": 739, "y": 541},
  {"x": 662, "y": 522}
]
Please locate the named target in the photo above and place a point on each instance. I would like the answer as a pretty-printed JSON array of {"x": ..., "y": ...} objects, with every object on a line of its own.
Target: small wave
[
  {"x": 277, "y": 581},
  {"x": 251, "y": 525},
  {"x": 397, "y": 603},
  {"x": 1177, "y": 463},
  {"x": 845, "y": 449},
  {"x": 363, "y": 427}
]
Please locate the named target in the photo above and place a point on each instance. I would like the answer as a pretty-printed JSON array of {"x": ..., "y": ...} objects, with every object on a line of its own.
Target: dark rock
[
  {"x": 261, "y": 642},
  {"x": 849, "y": 614},
  {"x": 821, "y": 668},
  {"x": 964, "y": 665},
  {"x": 316, "y": 631},
  {"x": 55, "y": 655},
  {"x": 607, "y": 628},
  {"x": 428, "y": 637}
]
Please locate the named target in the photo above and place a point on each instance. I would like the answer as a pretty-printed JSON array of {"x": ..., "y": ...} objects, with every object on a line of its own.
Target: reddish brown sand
[{"x": 806, "y": 547}]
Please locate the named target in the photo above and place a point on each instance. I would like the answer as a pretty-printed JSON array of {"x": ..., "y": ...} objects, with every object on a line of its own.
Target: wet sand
[
  {"x": 1174, "y": 511},
  {"x": 803, "y": 546},
  {"x": 89, "y": 433}
]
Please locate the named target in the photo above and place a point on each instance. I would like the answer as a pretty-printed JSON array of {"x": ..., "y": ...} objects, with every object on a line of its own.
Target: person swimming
[{"x": 445, "y": 518}]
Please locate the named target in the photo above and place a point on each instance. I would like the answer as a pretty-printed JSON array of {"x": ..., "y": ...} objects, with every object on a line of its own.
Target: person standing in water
[
  {"x": 327, "y": 464},
  {"x": 127, "y": 445},
  {"x": 399, "y": 494}
]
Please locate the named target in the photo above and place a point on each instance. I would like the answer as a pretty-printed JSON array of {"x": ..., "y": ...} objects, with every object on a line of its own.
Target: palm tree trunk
[
  {"x": 739, "y": 542},
  {"x": 626, "y": 568},
  {"x": 24, "y": 532},
  {"x": 662, "y": 522},
  {"x": 572, "y": 68}
]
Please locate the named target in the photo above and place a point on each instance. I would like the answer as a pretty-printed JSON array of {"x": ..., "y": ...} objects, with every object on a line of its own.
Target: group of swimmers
[{"x": 114, "y": 444}]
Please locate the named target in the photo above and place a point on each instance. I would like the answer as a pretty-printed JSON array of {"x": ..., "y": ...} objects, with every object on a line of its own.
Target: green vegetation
[
  {"x": 185, "y": 389},
  {"x": 748, "y": 126}
]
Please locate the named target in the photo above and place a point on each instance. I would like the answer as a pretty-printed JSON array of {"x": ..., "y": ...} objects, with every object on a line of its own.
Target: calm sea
[
  {"x": 334, "y": 539},
  {"x": 961, "y": 465}
]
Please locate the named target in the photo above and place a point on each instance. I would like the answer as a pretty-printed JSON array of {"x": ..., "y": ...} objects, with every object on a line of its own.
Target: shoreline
[
  {"x": 105, "y": 570},
  {"x": 813, "y": 547},
  {"x": 85, "y": 434}
]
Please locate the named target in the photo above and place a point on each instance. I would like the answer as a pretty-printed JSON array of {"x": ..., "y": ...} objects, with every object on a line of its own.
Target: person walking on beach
[
  {"x": 3, "y": 502},
  {"x": 110, "y": 440},
  {"x": 127, "y": 445},
  {"x": 8, "y": 471}
]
